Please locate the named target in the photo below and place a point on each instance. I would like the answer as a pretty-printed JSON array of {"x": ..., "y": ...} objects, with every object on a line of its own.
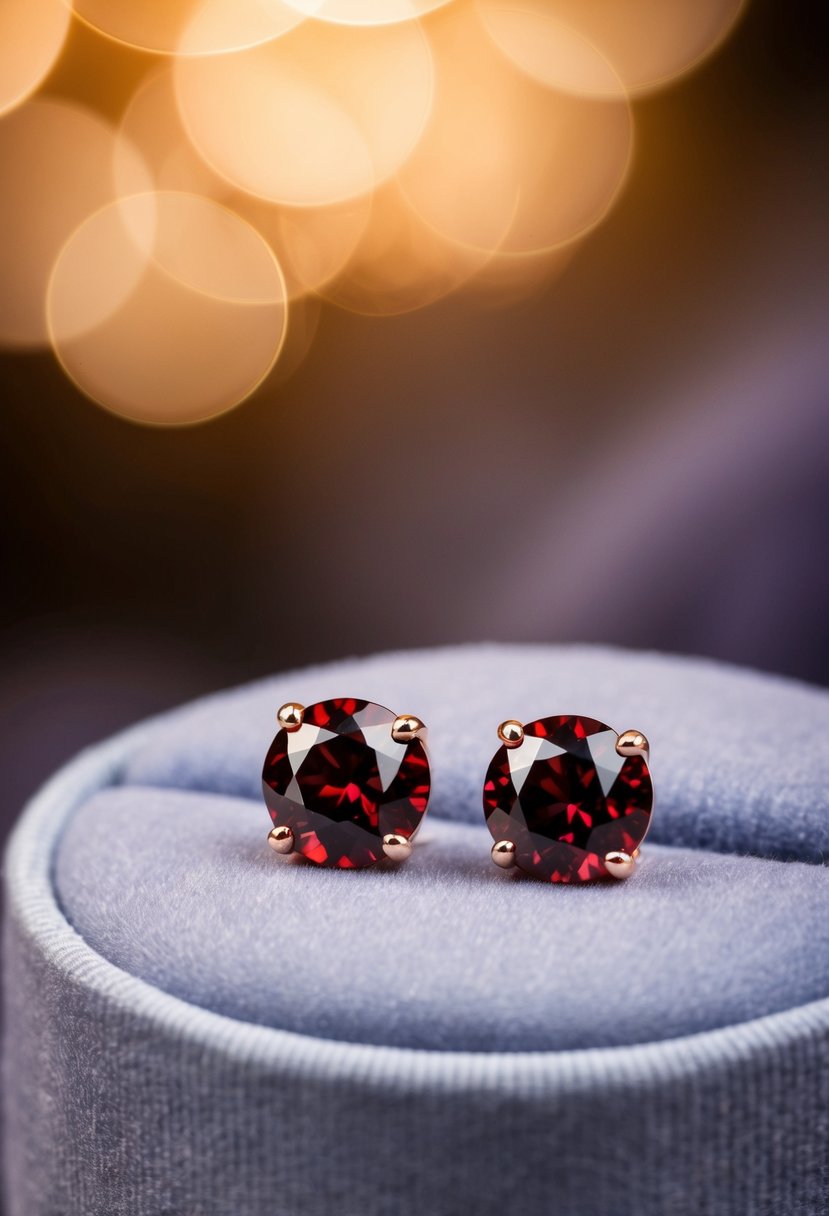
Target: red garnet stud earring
[
  {"x": 346, "y": 782},
  {"x": 568, "y": 799}
]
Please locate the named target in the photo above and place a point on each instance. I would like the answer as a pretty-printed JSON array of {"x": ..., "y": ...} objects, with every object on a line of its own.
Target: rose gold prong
[
  {"x": 281, "y": 840},
  {"x": 503, "y": 854},
  {"x": 407, "y": 727},
  {"x": 396, "y": 848},
  {"x": 636, "y": 854},
  {"x": 619, "y": 865},
  {"x": 633, "y": 743},
  {"x": 291, "y": 715},
  {"x": 511, "y": 733}
]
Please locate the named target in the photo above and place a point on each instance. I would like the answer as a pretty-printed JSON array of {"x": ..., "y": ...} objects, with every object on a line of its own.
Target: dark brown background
[{"x": 636, "y": 456}]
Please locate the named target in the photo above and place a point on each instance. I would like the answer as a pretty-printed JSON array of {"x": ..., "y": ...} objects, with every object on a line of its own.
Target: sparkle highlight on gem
[
  {"x": 344, "y": 785},
  {"x": 566, "y": 799}
]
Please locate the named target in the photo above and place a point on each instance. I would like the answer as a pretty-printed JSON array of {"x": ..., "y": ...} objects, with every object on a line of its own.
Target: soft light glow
[
  {"x": 104, "y": 260},
  {"x": 365, "y": 12},
  {"x": 549, "y": 51},
  {"x": 376, "y": 154},
  {"x": 327, "y": 112},
  {"x": 401, "y": 264},
  {"x": 311, "y": 244},
  {"x": 201, "y": 326},
  {"x": 32, "y": 33},
  {"x": 510, "y": 278},
  {"x": 56, "y": 166},
  {"x": 506, "y": 164},
  {"x": 189, "y": 27},
  {"x": 209, "y": 249},
  {"x": 299, "y": 338},
  {"x": 151, "y": 123},
  {"x": 648, "y": 42}
]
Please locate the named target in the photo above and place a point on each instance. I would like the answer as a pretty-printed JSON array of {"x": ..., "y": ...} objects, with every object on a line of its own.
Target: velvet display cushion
[{"x": 195, "y": 1026}]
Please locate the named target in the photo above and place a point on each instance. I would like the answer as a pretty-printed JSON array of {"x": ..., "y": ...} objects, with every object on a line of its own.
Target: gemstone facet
[
  {"x": 565, "y": 798},
  {"x": 341, "y": 782}
]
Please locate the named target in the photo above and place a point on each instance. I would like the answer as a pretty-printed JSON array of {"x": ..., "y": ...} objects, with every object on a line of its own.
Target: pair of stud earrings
[{"x": 566, "y": 798}]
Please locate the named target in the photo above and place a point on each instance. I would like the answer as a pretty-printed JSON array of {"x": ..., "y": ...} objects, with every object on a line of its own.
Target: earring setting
[
  {"x": 346, "y": 782},
  {"x": 568, "y": 799}
]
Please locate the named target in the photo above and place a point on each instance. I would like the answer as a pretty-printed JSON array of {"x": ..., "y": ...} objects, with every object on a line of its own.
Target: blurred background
[{"x": 504, "y": 322}]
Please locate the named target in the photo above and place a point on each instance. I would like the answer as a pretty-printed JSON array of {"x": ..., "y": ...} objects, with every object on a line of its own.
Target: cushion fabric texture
[{"x": 196, "y": 1026}]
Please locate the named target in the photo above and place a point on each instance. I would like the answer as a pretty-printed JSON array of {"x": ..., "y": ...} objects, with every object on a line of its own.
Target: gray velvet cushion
[
  {"x": 197, "y": 1025},
  {"x": 447, "y": 951}
]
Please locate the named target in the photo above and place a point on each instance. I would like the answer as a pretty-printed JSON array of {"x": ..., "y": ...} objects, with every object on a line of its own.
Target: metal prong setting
[
  {"x": 281, "y": 840},
  {"x": 632, "y": 743},
  {"x": 407, "y": 727},
  {"x": 619, "y": 865},
  {"x": 291, "y": 716},
  {"x": 511, "y": 733},
  {"x": 503, "y": 853},
  {"x": 396, "y": 848}
]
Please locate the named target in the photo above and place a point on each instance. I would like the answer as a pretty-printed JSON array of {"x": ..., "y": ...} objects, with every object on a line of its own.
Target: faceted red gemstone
[
  {"x": 566, "y": 798},
  {"x": 341, "y": 782}
]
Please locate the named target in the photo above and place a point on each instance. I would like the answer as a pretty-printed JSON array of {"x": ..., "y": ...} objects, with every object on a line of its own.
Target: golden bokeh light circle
[
  {"x": 311, "y": 244},
  {"x": 56, "y": 165},
  {"x": 210, "y": 249},
  {"x": 549, "y": 51},
  {"x": 401, "y": 264},
  {"x": 376, "y": 154},
  {"x": 193, "y": 333},
  {"x": 32, "y": 34},
  {"x": 188, "y": 27},
  {"x": 152, "y": 124},
  {"x": 506, "y": 163},
  {"x": 328, "y": 112},
  {"x": 648, "y": 42},
  {"x": 366, "y": 12}
]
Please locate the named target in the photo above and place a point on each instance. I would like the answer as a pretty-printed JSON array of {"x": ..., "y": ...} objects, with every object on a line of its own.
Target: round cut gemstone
[
  {"x": 566, "y": 798},
  {"x": 341, "y": 782}
]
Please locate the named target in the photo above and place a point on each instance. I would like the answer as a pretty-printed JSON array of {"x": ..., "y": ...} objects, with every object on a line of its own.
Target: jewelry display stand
[{"x": 197, "y": 1027}]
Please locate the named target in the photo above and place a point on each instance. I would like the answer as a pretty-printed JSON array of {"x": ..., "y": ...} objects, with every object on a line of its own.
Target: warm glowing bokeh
[
  {"x": 327, "y": 112},
  {"x": 270, "y": 155},
  {"x": 365, "y": 12},
  {"x": 151, "y": 123},
  {"x": 299, "y": 337},
  {"x": 199, "y": 324},
  {"x": 538, "y": 166},
  {"x": 646, "y": 42},
  {"x": 312, "y": 244},
  {"x": 548, "y": 50},
  {"x": 32, "y": 33},
  {"x": 189, "y": 27},
  {"x": 402, "y": 264},
  {"x": 56, "y": 167},
  {"x": 512, "y": 278}
]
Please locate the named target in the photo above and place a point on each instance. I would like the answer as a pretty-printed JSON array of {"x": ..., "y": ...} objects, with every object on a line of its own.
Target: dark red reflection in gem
[
  {"x": 566, "y": 798},
  {"x": 341, "y": 783}
]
